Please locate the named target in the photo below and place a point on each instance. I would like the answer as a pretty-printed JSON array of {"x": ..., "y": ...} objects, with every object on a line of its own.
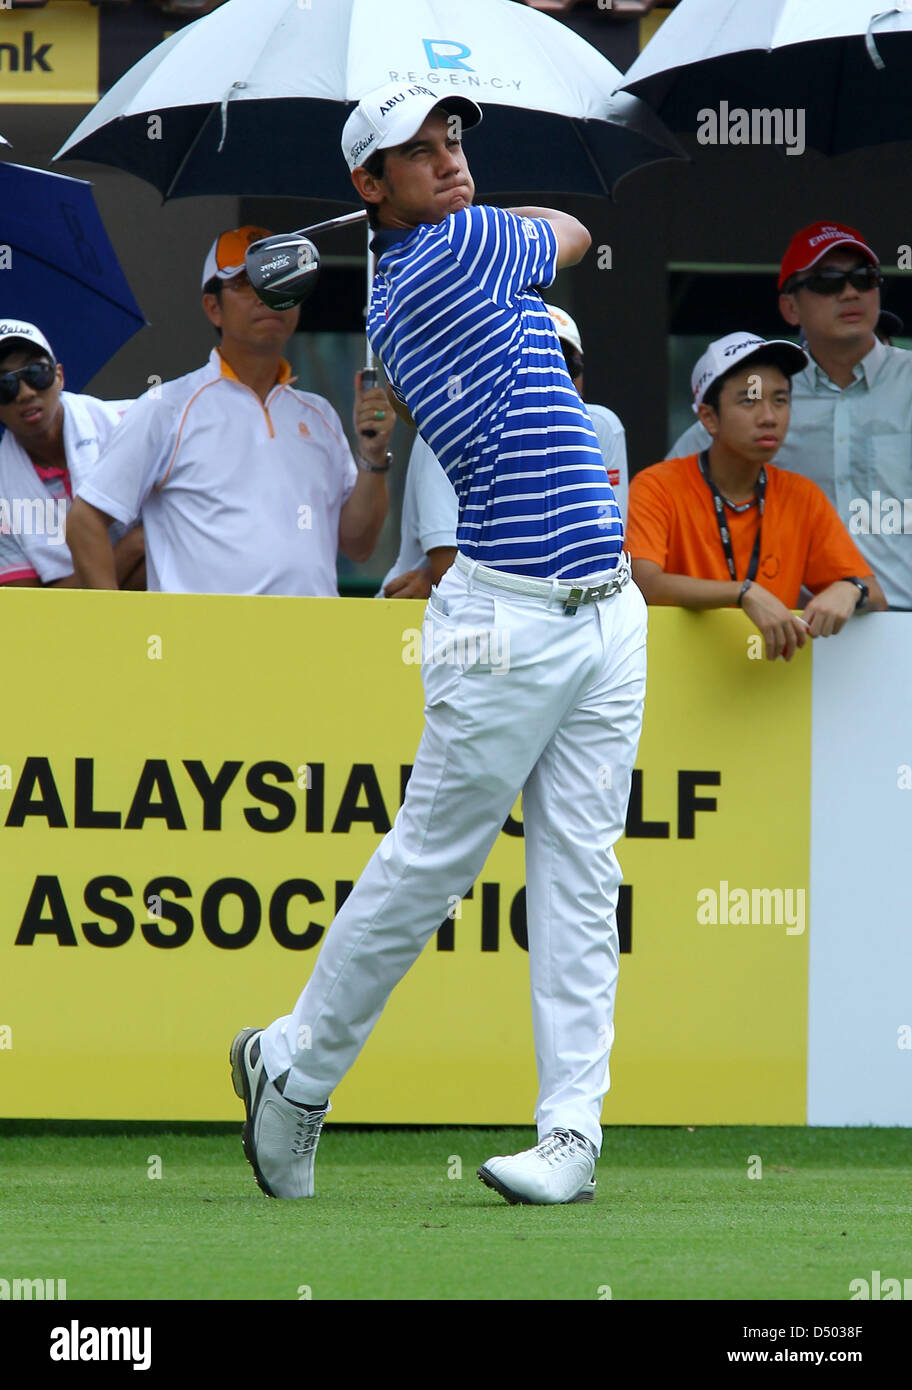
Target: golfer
[{"x": 472, "y": 355}]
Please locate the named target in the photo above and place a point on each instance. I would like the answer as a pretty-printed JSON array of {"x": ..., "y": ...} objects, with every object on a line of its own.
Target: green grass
[{"x": 675, "y": 1216}]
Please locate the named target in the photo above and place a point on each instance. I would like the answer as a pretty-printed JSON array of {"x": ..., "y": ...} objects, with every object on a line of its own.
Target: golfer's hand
[
  {"x": 412, "y": 584},
  {"x": 782, "y": 630},
  {"x": 827, "y": 613},
  {"x": 372, "y": 413}
]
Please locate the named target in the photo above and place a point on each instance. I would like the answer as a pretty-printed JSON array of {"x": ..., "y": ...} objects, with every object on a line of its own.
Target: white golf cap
[
  {"x": 17, "y": 328},
  {"x": 226, "y": 254},
  {"x": 566, "y": 327},
  {"x": 391, "y": 114},
  {"x": 736, "y": 349}
]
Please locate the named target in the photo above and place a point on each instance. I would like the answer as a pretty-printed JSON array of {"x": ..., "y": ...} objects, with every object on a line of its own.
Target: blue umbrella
[{"x": 60, "y": 270}]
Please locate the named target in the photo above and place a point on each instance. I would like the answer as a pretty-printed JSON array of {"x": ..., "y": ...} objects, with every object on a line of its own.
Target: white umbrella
[
  {"x": 844, "y": 65},
  {"x": 251, "y": 99}
]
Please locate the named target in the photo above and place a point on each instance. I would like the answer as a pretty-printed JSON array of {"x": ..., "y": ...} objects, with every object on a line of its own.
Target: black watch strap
[
  {"x": 861, "y": 587},
  {"x": 366, "y": 467}
]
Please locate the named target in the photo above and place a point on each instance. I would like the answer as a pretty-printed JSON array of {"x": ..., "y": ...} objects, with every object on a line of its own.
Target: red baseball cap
[{"x": 811, "y": 243}]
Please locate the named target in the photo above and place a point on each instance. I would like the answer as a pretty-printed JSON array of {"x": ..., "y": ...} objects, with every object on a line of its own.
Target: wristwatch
[
  {"x": 366, "y": 467},
  {"x": 862, "y": 589}
]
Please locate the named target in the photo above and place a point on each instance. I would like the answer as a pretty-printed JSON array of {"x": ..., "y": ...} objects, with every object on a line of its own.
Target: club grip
[{"x": 368, "y": 382}]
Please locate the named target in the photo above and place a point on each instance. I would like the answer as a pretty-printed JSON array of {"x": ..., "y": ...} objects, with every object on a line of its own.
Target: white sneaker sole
[
  {"x": 241, "y": 1082},
  {"x": 585, "y": 1194}
]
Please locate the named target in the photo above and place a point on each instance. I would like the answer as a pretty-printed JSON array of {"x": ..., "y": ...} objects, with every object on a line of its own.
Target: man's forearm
[
  {"x": 90, "y": 546},
  {"x": 542, "y": 214},
  {"x": 128, "y": 552},
  {"x": 573, "y": 239},
  {"x": 683, "y": 591},
  {"x": 362, "y": 517}
]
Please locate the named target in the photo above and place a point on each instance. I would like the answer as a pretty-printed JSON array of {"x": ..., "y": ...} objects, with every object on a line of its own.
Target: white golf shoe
[
  {"x": 280, "y": 1136},
  {"x": 560, "y": 1169}
]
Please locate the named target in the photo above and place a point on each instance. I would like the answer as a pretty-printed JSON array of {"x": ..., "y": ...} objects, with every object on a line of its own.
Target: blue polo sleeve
[{"x": 502, "y": 253}]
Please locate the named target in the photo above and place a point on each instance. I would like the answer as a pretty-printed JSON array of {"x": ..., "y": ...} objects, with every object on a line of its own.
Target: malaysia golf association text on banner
[{"x": 189, "y": 786}]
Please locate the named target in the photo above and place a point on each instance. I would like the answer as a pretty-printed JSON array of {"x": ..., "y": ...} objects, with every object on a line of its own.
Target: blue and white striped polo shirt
[{"x": 472, "y": 352}]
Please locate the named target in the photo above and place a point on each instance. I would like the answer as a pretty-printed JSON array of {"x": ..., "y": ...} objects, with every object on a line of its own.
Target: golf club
[{"x": 283, "y": 269}]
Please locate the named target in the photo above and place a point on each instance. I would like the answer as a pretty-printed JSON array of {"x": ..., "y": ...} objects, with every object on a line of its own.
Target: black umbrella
[{"x": 835, "y": 75}]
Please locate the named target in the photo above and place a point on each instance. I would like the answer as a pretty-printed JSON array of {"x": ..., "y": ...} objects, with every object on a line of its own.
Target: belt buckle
[{"x": 573, "y": 601}]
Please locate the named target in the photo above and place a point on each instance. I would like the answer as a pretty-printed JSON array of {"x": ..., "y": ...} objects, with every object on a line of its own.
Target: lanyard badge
[{"x": 724, "y": 533}]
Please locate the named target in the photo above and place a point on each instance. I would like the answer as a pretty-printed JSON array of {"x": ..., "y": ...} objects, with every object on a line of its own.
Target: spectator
[
  {"x": 51, "y": 443},
  {"x": 726, "y": 527},
  {"x": 429, "y": 507},
  {"x": 611, "y": 437},
  {"x": 245, "y": 485},
  {"x": 429, "y": 518},
  {"x": 851, "y": 430}
]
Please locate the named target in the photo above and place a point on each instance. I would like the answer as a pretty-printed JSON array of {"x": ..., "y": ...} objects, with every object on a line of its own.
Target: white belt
[{"x": 569, "y": 594}]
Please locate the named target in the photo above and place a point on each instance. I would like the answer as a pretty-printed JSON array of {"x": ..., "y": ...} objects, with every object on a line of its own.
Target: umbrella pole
[
  {"x": 369, "y": 373},
  {"x": 370, "y": 362}
]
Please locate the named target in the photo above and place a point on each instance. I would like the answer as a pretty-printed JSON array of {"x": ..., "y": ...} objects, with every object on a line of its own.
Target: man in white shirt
[
  {"x": 244, "y": 484},
  {"x": 851, "y": 424},
  {"x": 51, "y": 440},
  {"x": 429, "y": 508}
]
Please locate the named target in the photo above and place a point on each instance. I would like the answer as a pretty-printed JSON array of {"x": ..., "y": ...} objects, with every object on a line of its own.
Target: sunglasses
[
  {"x": 865, "y": 277},
  {"x": 38, "y": 375},
  {"x": 239, "y": 283}
]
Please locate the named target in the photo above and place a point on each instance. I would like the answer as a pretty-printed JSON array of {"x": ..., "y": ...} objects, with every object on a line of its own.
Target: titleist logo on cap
[{"x": 362, "y": 145}]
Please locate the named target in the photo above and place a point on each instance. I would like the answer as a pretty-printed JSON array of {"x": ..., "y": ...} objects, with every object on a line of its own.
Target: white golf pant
[{"x": 520, "y": 697}]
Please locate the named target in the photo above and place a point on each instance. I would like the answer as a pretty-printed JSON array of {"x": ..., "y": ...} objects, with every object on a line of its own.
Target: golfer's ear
[
  {"x": 369, "y": 189},
  {"x": 60, "y": 376},
  {"x": 708, "y": 418},
  {"x": 789, "y": 309}
]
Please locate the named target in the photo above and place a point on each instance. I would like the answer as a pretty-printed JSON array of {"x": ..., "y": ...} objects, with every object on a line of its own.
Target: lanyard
[{"x": 724, "y": 534}]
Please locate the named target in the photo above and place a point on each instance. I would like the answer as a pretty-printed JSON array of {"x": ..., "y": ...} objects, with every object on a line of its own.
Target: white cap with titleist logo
[
  {"x": 391, "y": 114},
  {"x": 18, "y": 328},
  {"x": 738, "y": 348}
]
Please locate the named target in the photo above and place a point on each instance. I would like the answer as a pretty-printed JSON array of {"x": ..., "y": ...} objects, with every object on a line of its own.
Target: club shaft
[{"x": 331, "y": 222}]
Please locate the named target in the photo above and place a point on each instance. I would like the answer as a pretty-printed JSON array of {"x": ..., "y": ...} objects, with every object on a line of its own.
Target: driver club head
[{"x": 283, "y": 269}]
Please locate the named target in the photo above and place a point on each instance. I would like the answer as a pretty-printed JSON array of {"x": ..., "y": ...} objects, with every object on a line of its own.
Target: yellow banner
[
  {"x": 49, "y": 55},
  {"x": 190, "y": 784},
  {"x": 650, "y": 25}
]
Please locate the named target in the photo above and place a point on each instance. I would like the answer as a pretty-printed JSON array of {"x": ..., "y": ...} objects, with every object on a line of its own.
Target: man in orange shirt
[{"x": 726, "y": 528}]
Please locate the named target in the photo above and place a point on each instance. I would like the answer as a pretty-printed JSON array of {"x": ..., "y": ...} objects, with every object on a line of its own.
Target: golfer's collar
[
  {"x": 388, "y": 237},
  {"x": 283, "y": 376}
]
